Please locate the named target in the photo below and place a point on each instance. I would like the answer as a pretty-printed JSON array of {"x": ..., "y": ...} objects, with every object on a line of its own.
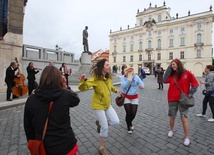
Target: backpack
[{"x": 143, "y": 74}]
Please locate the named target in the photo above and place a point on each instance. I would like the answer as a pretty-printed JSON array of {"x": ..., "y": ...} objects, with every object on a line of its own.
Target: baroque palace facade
[{"x": 158, "y": 38}]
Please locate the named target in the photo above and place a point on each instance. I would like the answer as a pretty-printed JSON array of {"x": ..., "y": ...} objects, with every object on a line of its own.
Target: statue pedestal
[{"x": 86, "y": 58}]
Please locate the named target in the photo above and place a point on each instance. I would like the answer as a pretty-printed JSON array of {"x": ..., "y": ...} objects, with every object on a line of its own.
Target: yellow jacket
[{"x": 101, "y": 99}]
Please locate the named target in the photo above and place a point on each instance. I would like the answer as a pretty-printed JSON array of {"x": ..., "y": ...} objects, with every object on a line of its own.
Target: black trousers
[
  {"x": 9, "y": 89},
  {"x": 209, "y": 99},
  {"x": 30, "y": 86}
]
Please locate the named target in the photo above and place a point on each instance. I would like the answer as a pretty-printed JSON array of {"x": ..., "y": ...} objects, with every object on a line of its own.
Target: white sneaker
[
  {"x": 200, "y": 115},
  {"x": 186, "y": 141},
  {"x": 132, "y": 127},
  {"x": 211, "y": 120},
  {"x": 130, "y": 132},
  {"x": 170, "y": 134}
]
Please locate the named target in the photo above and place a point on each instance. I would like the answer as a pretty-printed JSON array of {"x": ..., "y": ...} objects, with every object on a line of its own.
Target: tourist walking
[
  {"x": 101, "y": 82},
  {"x": 65, "y": 72},
  {"x": 185, "y": 80},
  {"x": 160, "y": 73},
  {"x": 59, "y": 138},
  {"x": 130, "y": 83},
  {"x": 209, "y": 95}
]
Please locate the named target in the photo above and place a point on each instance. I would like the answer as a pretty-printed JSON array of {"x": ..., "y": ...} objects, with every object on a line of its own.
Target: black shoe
[
  {"x": 158, "y": 88},
  {"x": 9, "y": 100}
]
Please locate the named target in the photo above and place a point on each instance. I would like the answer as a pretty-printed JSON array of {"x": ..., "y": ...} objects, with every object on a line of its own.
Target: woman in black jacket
[
  {"x": 31, "y": 71},
  {"x": 59, "y": 138}
]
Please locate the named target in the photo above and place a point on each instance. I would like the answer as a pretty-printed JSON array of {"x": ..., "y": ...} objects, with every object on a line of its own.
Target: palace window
[
  {"x": 159, "y": 56},
  {"x": 149, "y": 44},
  {"x": 140, "y": 58},
  {"x": 159, "y": 43},
  {"x": 149, "y": 57},
  {"x": 199, "y": 38},
  {"x": 115, "y": 60},
  {"x": 115, "y": 40},
  {"x": 182, "y": 29},
  {"x": 199, "y": 26},
  {"x": 115, "y": 48},
  {"x": 182, "y": 55},
  {"x": 140, "y": 46},
  {"x": 198, "y": 54},
  {"x": 124, "y": 48},
  {"x": 124, "y": 58},
  {"x": 170, "y": 56},
  {"x": 131, "y": 58},
  {"x": 170, "y": 42},
  {"x": 131, "y": 47},
  {"x": 182, "y": 41}
]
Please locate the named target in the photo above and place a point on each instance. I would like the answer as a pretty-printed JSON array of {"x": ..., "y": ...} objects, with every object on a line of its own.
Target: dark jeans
[{"x": 209, "y": 99}]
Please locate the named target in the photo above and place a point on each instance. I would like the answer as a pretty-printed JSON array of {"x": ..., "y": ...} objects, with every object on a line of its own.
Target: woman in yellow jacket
[{"x": 101, "y": 101}]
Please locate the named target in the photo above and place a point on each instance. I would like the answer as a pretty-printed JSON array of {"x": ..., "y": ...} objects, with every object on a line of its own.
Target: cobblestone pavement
[{"x": 149, "y": 137}]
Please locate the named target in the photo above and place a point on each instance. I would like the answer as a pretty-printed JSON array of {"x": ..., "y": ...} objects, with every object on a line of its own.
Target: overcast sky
[{"x": 51, "y": 22}]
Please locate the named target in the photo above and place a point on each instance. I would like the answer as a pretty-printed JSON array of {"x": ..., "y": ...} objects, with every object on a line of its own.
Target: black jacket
[
  {"x": 59, "y": 138},
  {"x": 10, "y": 74},
  {"x": 31, "y": 73}
]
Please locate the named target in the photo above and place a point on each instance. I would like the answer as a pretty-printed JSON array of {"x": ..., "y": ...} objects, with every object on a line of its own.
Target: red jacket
[{"x": 187, "y": 80}]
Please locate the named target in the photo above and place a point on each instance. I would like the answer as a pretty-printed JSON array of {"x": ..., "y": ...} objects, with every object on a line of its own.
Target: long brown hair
[
  {"x": 180, "y": 68},
  {"x": 51, "y": 75},
  {"x": 98, "y": 68}
]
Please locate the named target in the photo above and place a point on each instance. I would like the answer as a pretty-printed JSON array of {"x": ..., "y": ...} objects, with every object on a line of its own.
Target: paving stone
[{"x": 148, "y": 138}]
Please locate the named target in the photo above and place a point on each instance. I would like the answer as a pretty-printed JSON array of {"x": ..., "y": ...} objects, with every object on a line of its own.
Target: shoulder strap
[
  {"x": 177, "y": 84},
  {"x": 46, "y": 123}
]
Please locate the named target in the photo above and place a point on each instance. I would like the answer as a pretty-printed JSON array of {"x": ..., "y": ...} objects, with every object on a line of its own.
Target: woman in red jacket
[{"x": 185, "y": 80}]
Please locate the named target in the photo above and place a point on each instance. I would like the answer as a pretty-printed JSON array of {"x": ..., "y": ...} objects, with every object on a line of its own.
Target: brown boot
[
  {"x": 98, "y": 126},
  {"x": 103, "y": 151}
]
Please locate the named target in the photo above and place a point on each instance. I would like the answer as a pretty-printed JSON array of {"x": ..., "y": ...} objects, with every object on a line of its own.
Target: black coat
[
  {"x": 59, "y": 138},
  {"x": 31, "y": 73},
  {"x": 10, "y": 74}
]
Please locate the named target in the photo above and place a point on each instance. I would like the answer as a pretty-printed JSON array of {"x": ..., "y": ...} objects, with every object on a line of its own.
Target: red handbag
[{"x": 36, "y": 147}]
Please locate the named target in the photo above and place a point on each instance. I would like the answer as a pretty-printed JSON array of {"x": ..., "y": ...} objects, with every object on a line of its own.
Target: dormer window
[
  {"x": 159, "y": 18},
  {"x": 141, "y": 22}
]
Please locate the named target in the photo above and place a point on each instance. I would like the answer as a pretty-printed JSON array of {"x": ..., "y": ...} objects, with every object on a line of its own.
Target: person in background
[
  {"x": 31, "y": 71},
  {"x": 141, "y": 73},
  {"x": 101, "y": 81},
  {"x": 51, "y": 63},
  {"x": 123, "y": 69},
  {"x": 9, "y": 79},
  {"x": 209, "y": 85},
  {"x": 160, "y": 73},
  {"x": 59, "y": 138},
  {"x": 155, "y": 70},
  {"x": 131, "y": 98},
  {"x": 185, "y": 80},
  {"x": 66, "y": 72}
]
